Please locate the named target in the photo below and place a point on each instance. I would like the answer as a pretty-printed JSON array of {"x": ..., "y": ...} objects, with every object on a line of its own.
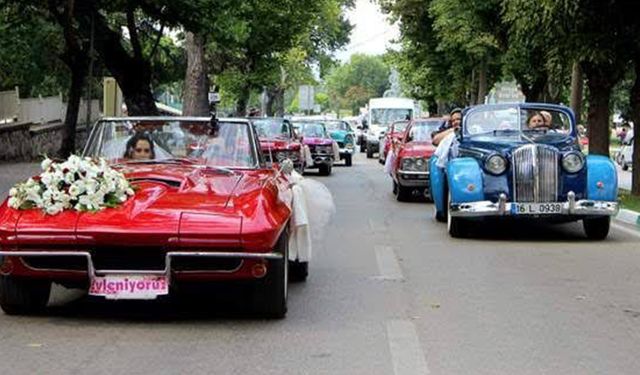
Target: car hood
[
  {"x": 317, "y": 141},
  {"x": 170, "y": 205},
  {"x": 417, "y": 149},
  {"x": 275, "y": 144},
  {"x": 505, "y": 145}
]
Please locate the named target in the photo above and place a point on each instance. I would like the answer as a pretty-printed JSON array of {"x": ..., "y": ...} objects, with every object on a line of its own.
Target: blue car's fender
[
  {"x": 464, "y": 179},
  {"x": 436, "y": 184},
  {"x": 602, "y": 179}
]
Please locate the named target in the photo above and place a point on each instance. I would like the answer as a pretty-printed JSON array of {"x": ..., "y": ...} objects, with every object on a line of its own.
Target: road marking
[
  {"x": 406, "y": 351},
  {"x": 388, "y": 263},
  {"x": 626, "y": 230}
]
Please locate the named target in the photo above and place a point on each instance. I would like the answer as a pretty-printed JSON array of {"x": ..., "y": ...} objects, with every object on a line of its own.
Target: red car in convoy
[
  {"x": 410, "y": 162},
  {"x": 278, "y": 141},
  {"x": 394, "y": 135},
  {"x": 205, "y": 208}
]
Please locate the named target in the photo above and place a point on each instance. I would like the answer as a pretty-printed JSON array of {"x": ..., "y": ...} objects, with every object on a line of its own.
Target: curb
[{"x": 628, "y": 217}]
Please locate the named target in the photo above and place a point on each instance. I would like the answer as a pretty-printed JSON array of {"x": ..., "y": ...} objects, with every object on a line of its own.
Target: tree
[
  {"x": 363, "y": 75},
  {"x": 195, "y": 101}
]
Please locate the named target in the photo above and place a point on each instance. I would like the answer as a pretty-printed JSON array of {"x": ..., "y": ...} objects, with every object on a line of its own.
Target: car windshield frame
[
  {"x": 376, "y": 119},
  {"x": 519, "y": 131},
  {"x": 434, "y": 124},
  {"x": 97, "y": 141},
  {"x": 303, "y": 124},
  {"x": 280, "y": 122},
  {"x": 329, "y": 125}
]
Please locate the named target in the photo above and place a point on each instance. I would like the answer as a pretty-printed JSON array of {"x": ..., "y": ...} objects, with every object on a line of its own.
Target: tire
[
  {"x": 369, "y": 153},
  {"x": 403, "y": 194},
  {"x": 23, "y": 296},
  {"x": 442, "y": 216},
  {"x": 625, "y": 166},
  {"x": 298, "y": 271},
  {"x": 597, "y": 228},
  {"x": 270, "y": 294},
  {"x": 455, "y": 225},
  {"x": 348, "y": 160},
  {"x": 363, "y": 145},
  {"x": 324, "y": 169}
]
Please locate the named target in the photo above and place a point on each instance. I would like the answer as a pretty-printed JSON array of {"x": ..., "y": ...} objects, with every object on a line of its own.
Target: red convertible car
[
  {"x": 278, "y": 141},
  {"x": 410, "y": 165},
  {"x": 205, "y": 209},
  {"x": 394, "y": 135}
]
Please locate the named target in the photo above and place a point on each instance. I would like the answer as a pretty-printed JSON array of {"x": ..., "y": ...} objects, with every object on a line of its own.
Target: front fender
[
  {"x": 464, "y": 178},
  {"x": 436, "y": 184},
  {"x": 600, "y": 170}
]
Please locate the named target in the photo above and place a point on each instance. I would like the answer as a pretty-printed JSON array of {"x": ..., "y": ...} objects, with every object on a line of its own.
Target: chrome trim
[
  {"x": 583, "y": 207},
  {"x": 535, "y": 173},
  {"x": 93, "y": 272},
  {"x": 413, "y": 172}
]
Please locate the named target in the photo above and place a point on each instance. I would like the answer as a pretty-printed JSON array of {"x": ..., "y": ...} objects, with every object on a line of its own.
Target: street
[{"x": 389, "y": 292}]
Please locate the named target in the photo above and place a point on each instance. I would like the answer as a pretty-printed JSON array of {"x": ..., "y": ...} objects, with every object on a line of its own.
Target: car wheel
[
  {"x": 270, "y": 294},
  {"x": 347, "y": 160},
  {"x": 455, "y": 225},
  {"x": 298, "y": 271},
  {"x": 597, "y": 228},
  {"x": 23, "y": 296},
  {"x": 324, "y": 169},
  {"x": 369, "y": 153},
  {"x": 363, "y": 145},
  {"x": 403, "y": 194},
  {"x": 625, "y": 166}
]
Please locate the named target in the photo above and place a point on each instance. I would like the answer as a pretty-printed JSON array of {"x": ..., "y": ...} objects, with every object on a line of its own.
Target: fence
[{"x": 40, "y": 110}]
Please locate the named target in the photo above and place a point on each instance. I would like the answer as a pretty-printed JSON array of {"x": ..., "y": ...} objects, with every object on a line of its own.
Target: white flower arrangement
[{"x": 78, "y": 183}]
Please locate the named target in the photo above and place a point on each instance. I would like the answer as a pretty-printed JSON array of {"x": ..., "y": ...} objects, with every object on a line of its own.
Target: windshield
[
  {"x": 271, "y": 128},
  {"x": 312, "y": 130},
  {"x": 385, "y": 116},
  {"x": 336, "y": 125},
  {"x": 399, "y": 126},
  {"x": 516, "y": 122},
  {"x": 421, "y": 130},
  {"x": 131, "y": 140}
]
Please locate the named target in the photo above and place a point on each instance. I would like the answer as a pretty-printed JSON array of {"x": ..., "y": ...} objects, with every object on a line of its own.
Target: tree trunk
[
  {"x": 634, "y": 99},
  {"x": 195, "y": 102},
  {"x": 532, "y": 92},
  {"x": 576, "y": 91},
  {"x": 133, "y": 73},
  {"x": 243, "y": 101},
  {"x": 473, "y": 92},
  {"x": 78, "y": 76},
  {"x": 482, "y": 83},
  {"x": 600, "y": 84}
]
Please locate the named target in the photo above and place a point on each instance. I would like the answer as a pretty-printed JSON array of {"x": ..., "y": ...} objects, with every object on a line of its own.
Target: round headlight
[
  {"x": 407, "y": 164},
  {"x": 293, "y": 156},
  {"x": 281, "y": 156},
  {"x": 421, "y": 164},
  {"x": 572, "y": 162},
  {"x": 496, "y": 164}
]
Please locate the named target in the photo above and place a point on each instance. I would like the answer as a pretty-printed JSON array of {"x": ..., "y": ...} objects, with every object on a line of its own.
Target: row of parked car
[
  {"x": 310, "y": 143},
  {"x": 518, "y": 161}
]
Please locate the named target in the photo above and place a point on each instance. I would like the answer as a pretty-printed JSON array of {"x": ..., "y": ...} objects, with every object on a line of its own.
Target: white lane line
[
  {"x": 406, "y": 351},
  {"x": 626, "y": 230},
  {"x": 388, "y": 263}
]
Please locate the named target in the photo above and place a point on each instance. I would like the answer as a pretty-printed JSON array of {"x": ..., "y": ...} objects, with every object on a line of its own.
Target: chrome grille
[{"x": 535, "y": 174}]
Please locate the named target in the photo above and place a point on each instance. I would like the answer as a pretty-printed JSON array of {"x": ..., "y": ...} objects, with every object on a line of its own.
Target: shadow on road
[{"x": 211, "y": 303}]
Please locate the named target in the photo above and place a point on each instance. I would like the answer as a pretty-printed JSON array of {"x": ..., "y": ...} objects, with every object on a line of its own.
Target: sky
[{"x": 372, "y": 34}]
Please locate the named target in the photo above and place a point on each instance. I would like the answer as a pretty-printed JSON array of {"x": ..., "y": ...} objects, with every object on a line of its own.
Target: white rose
[
  {"x": 13, "y": 192},
  {"x": 14, "y": 202},
  {"x": 46, "y": 163},
  {"x": 53, "y": 209}
]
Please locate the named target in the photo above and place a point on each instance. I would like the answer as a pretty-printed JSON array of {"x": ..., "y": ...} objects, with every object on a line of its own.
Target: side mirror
[{"x": 286, "y": 166}]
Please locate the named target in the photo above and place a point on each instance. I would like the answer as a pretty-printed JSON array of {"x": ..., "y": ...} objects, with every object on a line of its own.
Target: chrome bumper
[
  {"x": 413, "y": 178},
  {"x": 93, "y": 272},
  {"x": 583, "y": 207},
  {"x": 345, "y": 151}
]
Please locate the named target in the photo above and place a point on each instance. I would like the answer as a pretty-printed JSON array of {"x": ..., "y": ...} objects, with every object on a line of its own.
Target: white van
[{"x": 382, "y": 112}]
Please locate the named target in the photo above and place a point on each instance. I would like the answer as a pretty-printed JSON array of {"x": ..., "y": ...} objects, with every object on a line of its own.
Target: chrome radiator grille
[{"x": 535, "y": 174}]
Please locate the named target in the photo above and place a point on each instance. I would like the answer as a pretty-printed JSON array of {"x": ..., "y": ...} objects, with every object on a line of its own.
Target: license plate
[
  {"x": 536, "y": 208},
  {"x": 129, "y": 286}
]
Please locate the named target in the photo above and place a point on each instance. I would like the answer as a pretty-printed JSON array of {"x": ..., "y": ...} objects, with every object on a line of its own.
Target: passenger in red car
[{"x": 140, "y": 147}]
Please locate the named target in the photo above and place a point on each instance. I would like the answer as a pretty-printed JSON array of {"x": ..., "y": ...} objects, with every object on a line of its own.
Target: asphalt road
[{"x": 389, "y": 293}]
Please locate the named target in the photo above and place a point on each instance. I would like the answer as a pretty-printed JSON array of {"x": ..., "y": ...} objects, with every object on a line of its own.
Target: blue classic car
[
  {"x": 342, "y": 133},
  {"x": 521, "y": 160}
]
